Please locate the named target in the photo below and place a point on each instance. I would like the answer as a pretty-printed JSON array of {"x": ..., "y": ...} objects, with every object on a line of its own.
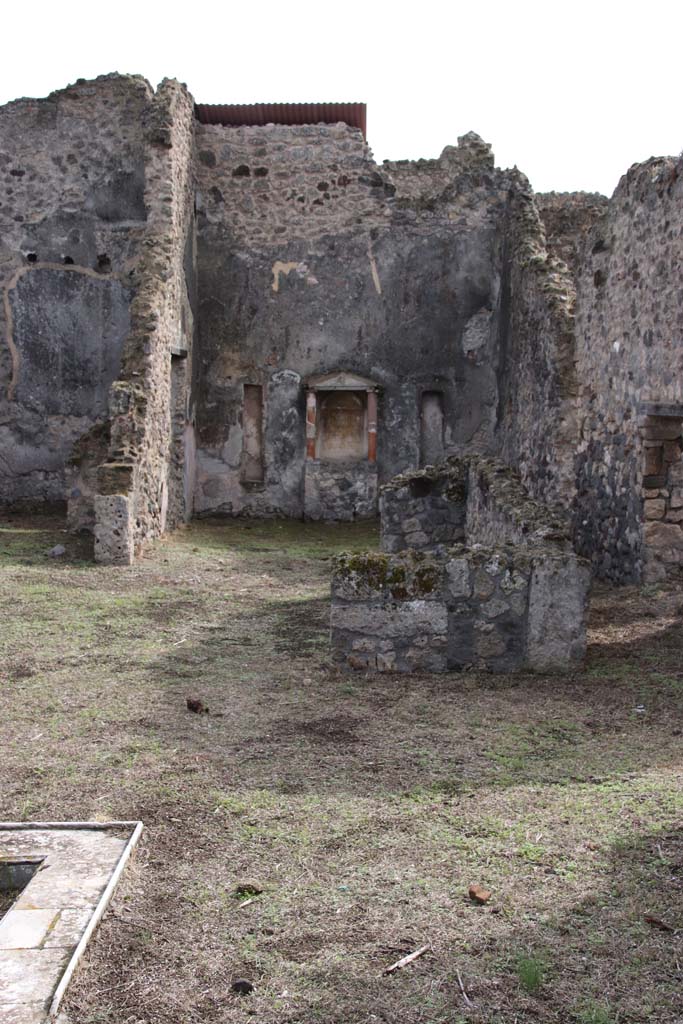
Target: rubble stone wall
[
  {"x": 424, "y": 510},
  {"x": 513, "y": 596},
  {"x": 139, "y": 492},
  {"x": 500, "y": 510},
  {"x": 340, "y": 492},
  {"x": 629, "y": 358},
  {"x": 495, "y": 610},
  {"x": 537, "y": 385},
  {"x": 72, "y": 218},
  {"x": 567, "y": 218}
]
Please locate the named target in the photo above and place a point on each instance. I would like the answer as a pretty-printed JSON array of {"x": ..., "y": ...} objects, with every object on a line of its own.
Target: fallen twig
[
  {"x": 251, "y": 899},
  {"x": 656, "y": 923},
  {"x": 406, "y": 959},
  {"x": 467, "y": 999}
]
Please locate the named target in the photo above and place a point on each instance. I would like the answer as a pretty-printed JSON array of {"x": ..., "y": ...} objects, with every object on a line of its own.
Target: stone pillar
[
  {"x": 310, "y": 424},
  {"x": 372, "y": 426}
]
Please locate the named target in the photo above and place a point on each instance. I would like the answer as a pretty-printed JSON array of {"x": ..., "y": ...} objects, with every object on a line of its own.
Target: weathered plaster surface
[
  {"x": 311, "y": 258},
  {"x": 71, "y": 219}
]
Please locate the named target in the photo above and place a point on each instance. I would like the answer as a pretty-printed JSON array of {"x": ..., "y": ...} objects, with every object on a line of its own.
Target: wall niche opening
[
  {"x": 342, "y": 433},
  {"x": 431, "y": 428},
  {"x": 252, "y": 435}
]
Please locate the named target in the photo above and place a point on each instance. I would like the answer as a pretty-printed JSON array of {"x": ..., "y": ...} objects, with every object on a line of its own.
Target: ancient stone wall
[
  {"x": 499, "y": 610},
  {"x": 567, "y": 217},
  {"x": 313, "y": 259},
  {"x": 537, "y": 385},
  {"x": 424, "y": 510},
  {"x": 72, "y": 217},
  {"x": 341, "y": 493},
  {"x": 499, "y": 510},
  {"x": 140, "y": 489},
  {"x": 630, "y": 357},
  {"x": 513, "y": 596}
]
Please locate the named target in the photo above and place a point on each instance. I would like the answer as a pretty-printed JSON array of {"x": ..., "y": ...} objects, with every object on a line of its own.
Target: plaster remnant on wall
[
  {"x": 285, "y": 269},
  {"x": 373, "y": 270}
]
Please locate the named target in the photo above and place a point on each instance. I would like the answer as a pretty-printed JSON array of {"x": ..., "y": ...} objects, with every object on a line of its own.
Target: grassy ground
[{"x": 363, "y": 807}]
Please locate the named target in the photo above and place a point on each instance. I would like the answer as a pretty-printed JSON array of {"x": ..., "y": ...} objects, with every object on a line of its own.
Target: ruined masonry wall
[
  {"x": 493, "y": 610},
  {"x": 567, "y": 218},
  {"x": 424, "y": 510},
  {"x": 311, "y": 258},
  {"x": 132, "y": 504},
  {"x": 500, "y": 511},
  {"x": 72, "y": 216},
  {"x": 537, "y": 420},
  {"x": 629, "y": 351}
]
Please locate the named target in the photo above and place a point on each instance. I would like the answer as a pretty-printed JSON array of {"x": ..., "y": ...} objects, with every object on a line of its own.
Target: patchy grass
[{"x": 356, "y": 810}]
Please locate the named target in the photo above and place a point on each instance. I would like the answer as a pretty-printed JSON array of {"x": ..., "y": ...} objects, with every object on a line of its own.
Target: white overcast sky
[{"x": 571, "y": 92}]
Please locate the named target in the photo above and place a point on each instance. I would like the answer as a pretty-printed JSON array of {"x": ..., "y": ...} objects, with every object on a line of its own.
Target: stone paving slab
[
  {"x": 41, "y": 930},
  {"x": 26, "y": 929},
  {"x": 68, "y": 928},
  {"x": 25, "y": 1013},
  {"x": 30, "y": 975}
]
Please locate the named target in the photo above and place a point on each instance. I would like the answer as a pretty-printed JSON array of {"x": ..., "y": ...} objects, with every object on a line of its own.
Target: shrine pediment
[{"x": 340, "y": 381}]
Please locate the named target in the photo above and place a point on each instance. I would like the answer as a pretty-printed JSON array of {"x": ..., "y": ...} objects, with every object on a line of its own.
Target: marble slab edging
[{"x": 44, "y": 934}]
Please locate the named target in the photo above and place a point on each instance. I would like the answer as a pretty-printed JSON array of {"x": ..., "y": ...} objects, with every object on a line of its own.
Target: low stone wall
[
  {"x": 424, "y": 510},
  {"x": 497, "y": 610},
  {"x": 512, "y": 597},
  {"x": 500, "y": 510}
]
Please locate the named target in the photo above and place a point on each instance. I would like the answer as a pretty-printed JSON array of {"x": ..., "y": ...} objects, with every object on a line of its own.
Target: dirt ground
[{"x": 362, "y": 806}]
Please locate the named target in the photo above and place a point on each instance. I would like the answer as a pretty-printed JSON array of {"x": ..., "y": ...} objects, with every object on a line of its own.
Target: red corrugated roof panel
[{"x": 235, "y": 114}]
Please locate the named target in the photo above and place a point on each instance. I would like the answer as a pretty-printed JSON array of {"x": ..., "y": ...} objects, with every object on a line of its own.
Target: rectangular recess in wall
[
  {"x": 252, "y": 434},
  {"x": 342, "y": 426},
  {"x": 431, "y": 428}
]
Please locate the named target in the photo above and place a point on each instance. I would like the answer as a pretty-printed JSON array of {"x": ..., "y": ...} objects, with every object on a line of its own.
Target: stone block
[
  {"x": 494, "y": 608},
  {"x": 114, "y": 530},
  {"x": 27, "y": 1013},
  {"x": 661, "y": 429},
  {"x": 30, "y": 975},
  {"x": 557, "y": 611},
  {"x": 663, "y": 535},
  {"x": 674, "y": 515},
  {"x": 484, "y": 584},
  {"x": 459, "y": 577},
  {"x": 404, "y": 619},
  {"x": 654, "y": 508},
  {"x": 489, "y": 643},
  {"x": 68, "y": 929},
  {"x": 25, "y": 929}
]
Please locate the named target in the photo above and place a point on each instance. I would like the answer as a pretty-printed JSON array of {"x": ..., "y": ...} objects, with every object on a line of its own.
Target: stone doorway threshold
[{"x": 44, "y": 933}]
